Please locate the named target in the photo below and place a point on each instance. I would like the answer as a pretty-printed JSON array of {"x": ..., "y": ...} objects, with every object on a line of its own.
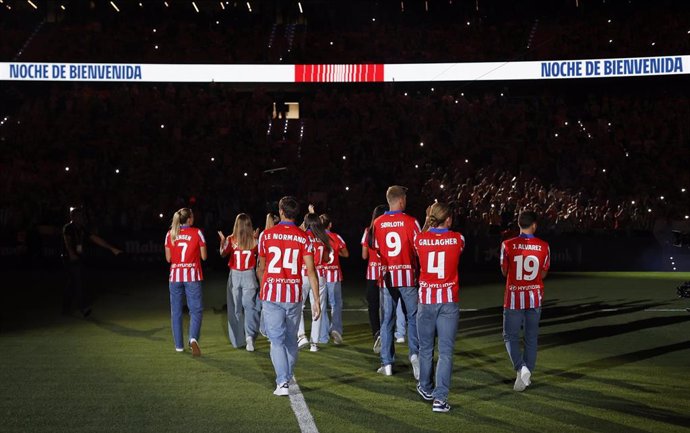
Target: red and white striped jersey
[
  {"x": 185, "y": 255},
  {"x": 318, "y": 249},
  {"x": 523, "y": 259},
  {"x": 394, "y": 234},
  {"x": 374, "y": 261},
  {"x": 283, "y": 248},
  {"x": 439, "y": 254},
  {"x": 331, "y": 265},
  {"x": 239, "y": 260}
]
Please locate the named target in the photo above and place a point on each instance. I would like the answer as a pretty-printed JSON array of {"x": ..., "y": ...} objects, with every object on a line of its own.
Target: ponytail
[
  {"x": 378, "y": 211},
  {"x": 313, "y": 223},
  {"x": 438, "y": 214},
  {"x": 179, "y": 218}
]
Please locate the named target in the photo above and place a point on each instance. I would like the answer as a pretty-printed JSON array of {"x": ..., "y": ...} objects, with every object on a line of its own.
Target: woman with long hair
[
  {"x": 334, "y": 278},
  {"x": 322, "y": 248},
  {"x": 243, "y": 305},
  {"x": 439, "y": 251},
  {"x": 374, "y": 281},
  {"x": 185, "y": 247}
]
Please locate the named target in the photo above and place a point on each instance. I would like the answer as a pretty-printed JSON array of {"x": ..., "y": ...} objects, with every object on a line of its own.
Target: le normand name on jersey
[
  {"x": 438, "y": 242},
  {"x": 286, "y": 237}
]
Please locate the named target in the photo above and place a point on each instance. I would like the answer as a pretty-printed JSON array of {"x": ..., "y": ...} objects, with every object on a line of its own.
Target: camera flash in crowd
[
  {"x": 632, "y": 202},
  {"x": 160, "y": 215},
  {"x": 682, "y": 190},
  {"x": 71, "y": 208},
  {"x": 213, "y": 159},
  {"x": 344, "y": 157},
  {"x": 245, "y": 174},
  {"x": 66, "y": 168},
  {"x": 416, "y": 166},
  {"x": 347, "y": 188},
  {"x": 162, "y": 126},
  {"x": 117, "y": 171},
  {"x": 421, "y": 144},
  {"x": 661, "y": 198}
]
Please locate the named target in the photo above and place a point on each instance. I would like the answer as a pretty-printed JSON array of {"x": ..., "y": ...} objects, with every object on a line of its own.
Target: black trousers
[
  {"x": 374, "y": 301},
  {"x": 74, "y": 291}
]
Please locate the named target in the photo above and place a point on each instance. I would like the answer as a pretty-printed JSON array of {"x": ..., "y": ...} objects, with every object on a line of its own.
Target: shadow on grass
[{"x": 148, "y": 334}]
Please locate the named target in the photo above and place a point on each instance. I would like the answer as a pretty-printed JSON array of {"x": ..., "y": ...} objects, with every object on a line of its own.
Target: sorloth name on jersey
[{"x": 386, "y": 225}]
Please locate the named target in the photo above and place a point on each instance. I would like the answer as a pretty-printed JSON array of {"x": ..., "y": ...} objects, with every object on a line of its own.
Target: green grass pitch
[{"x": 605, "y": 364}]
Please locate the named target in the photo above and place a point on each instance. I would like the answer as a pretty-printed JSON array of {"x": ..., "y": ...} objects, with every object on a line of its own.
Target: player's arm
[
  {"x": 260, "y": 267},
  {"x": 343, "y": 251},
  {"x": 168, "y": 254},
  {"x": 547, "y": 263},
  {"x": 504, "y": 259},
  {"x": 365, "y": 252},
  {"x": 103, "y": 244},
  {"x": 204, "y": 252},
  {"x": 224, "y": 244},
  {"x": 314, "y": 283}
]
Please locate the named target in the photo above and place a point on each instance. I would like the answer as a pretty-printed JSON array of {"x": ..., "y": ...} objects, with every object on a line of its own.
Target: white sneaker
[
  {"x": 250, "y": 344},
  {"x": 302, "y": 342},
  {"x": 377, "y": 344},
  {"x": 400, "y": 340},
  {"x": 179, "y": 349},
  {"x": 314, "y": 347},
  {"x": 519, "y": 384},
  {"x": 337, "y": 338},
  {"x": 282, "y": 389},
  {"x": 386, "y": 370},
  {"x": 526, "y": 376},
  {"x": 414, "y": 360}
]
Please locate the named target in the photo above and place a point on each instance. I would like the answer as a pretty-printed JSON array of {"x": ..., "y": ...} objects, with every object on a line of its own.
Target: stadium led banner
[{"x": 348, "y": 73}]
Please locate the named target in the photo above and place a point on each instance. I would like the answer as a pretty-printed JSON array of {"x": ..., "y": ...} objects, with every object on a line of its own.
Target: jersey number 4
[
  {"x": 437, "y": 267},
  {"x": 527, "y": 268},
  {"x": 289, "y": 260}
]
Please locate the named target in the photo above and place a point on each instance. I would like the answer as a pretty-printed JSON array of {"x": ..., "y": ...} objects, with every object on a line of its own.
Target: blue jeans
[
  {"x": 282, "y": 320},
  {"x": 408, "y": 295},
  {"x": 437, "y": 320},
  {"x": 243, "y": 306},
  {"x": 400, "y": 321},
  {"x": 335, "y": 301},
  {"x": 192, "y": 291},
  {"x": 513, "y": 321}
]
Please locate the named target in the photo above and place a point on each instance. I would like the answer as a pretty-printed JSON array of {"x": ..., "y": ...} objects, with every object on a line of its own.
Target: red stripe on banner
[{"x": 364, "y": 73}]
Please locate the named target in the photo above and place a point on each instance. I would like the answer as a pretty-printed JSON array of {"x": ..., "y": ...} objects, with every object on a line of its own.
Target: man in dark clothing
[{"x": 74, "y": 236}]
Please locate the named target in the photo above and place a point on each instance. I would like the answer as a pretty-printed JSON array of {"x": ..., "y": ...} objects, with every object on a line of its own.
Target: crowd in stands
[{"x": 590, "y": 157}]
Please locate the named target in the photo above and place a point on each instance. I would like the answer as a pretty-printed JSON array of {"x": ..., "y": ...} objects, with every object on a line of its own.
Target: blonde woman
[
  {"x": 438, "y": 249},
  {"x": 243, "y": 306},
  {"x": 185, "y": 247}
]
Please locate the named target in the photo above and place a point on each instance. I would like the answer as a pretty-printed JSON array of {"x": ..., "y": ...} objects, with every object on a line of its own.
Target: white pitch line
[
  {"x": 667, "y": 310},
  {"x": 301, "y": 410}
]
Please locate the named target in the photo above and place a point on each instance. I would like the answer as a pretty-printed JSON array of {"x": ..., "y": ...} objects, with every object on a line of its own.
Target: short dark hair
[
  {"x": 289, "y": 206},
  {"x": 527, "y": 218}
]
